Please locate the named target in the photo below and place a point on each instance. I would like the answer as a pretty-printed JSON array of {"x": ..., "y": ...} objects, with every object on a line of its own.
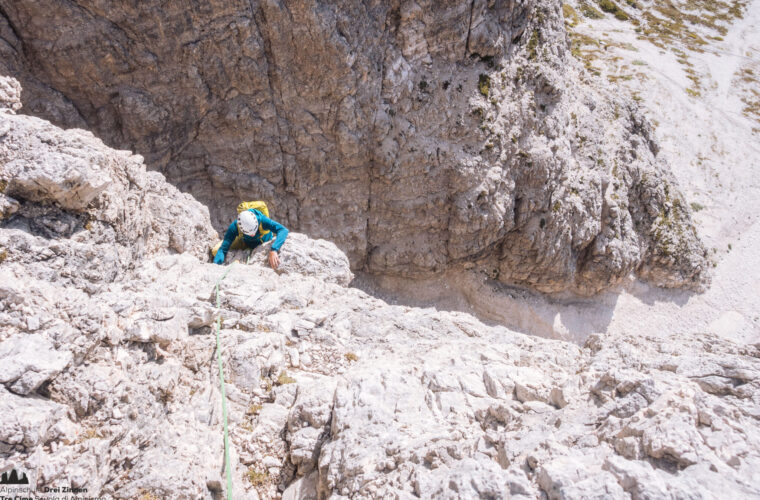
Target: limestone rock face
[
  {"x": 10, "y": 94},
  {"x": 303, "y": 255},
  {"x": 109, "y": 375},
  {"x": 102, "y": 203},
  {"x": 418, "y": 136}
]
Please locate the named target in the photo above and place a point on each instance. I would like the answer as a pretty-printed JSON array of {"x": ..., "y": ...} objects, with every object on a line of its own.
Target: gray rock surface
[
  {"x": 110, "y": 382},
  {"x": 110, "y": 212},
  {"x": 109, "y": 376},
  {"x": 419, "y": 136},
  {"x": 29, "y": 360},
  {"x": 10, "y": 94}
]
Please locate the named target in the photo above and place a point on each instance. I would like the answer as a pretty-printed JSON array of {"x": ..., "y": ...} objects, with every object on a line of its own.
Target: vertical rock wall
[{"x": 418, "y": 136}]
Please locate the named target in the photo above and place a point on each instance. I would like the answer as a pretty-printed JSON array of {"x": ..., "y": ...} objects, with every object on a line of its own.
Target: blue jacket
[{"x": 254, "y": 241}]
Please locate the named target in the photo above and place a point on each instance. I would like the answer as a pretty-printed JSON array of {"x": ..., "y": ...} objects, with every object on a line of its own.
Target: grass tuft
[
  {"x": 351, "y": 357},
  {"x": 696, "y": 206},
  {"x": 256, "y": 478},
  {"x": 533, "y": 45},
  {"x": 571, "y": 16},
  {"x": 589, "y": 11},
  {"x": 611, "y": 7},
  {"x": 484, "y": 84},
  {"x": 283, "y": 379},
  {"x": 89, "y": 433}
]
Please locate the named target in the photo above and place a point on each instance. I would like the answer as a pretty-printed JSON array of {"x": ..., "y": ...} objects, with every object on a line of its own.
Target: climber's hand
[
  {"x": 219, "y": 258},
  {"x": 274, "y": 260}
]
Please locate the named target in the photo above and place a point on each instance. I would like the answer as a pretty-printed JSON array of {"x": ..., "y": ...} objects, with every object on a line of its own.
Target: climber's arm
[
  {"x": 229, "y": 237},
  {"x": 282, "y": 234},
  {"x": 277, "y": 228}
]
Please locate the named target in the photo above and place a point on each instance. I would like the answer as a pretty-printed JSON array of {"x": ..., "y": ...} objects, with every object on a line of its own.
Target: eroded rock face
[
  {"x": 418, "y": 136},
  {"x": 109, "y": 376}
]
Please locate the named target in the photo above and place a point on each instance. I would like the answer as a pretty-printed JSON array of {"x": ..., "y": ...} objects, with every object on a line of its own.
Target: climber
[{"x": 251, "y": 229}]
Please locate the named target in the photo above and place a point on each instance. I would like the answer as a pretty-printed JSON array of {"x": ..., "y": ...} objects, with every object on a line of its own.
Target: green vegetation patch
[
  {"x": 256, "y": 478},
  {"x": 484, "y": 84},
  {"x": 679, "y": 27},
  {"x": 611, "y": 7},
  {"x": 669, "y": 226},
  {"x": 586, "y": 49},
  {"x": 533, "y": 45},
  {"x": 589, "y": 11},
  {"x": 285, "y": 379},
  {"x": 696, "y": 206},
  {"x": 89, "y": 433},
  {"x": 617, "y": 78},
  {"x": 667, "y": 24},
  {"x": 571, "y": 15},
  {"x": 748, "y": 81}
]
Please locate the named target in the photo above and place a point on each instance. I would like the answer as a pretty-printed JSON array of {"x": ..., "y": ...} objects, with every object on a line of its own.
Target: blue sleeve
[
  {"x": 229, "y": 237},
  {"x": 277, "y": 228}
]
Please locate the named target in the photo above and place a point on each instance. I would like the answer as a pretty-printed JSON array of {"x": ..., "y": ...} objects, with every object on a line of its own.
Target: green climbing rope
[{"x": 227, "y": 467}]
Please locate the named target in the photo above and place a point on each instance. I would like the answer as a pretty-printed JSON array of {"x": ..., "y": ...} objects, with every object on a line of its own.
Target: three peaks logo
[{"x": 12, "y": 477}]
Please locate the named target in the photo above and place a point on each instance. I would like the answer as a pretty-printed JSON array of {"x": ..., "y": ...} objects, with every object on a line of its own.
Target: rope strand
[{"x": 227, "y": 465}]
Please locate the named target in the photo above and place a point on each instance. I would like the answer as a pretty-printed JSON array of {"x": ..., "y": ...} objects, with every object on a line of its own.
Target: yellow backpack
[{"x": 256, "y": 205}]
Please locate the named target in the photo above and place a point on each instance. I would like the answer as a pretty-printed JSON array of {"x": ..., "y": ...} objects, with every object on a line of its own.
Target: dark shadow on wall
[
  {"x": 572, "y": 319},
  {"x": 651, "y": 296}
]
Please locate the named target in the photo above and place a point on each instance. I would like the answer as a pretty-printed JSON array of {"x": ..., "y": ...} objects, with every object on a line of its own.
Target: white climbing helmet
[{"x": 248, "y": 223}]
